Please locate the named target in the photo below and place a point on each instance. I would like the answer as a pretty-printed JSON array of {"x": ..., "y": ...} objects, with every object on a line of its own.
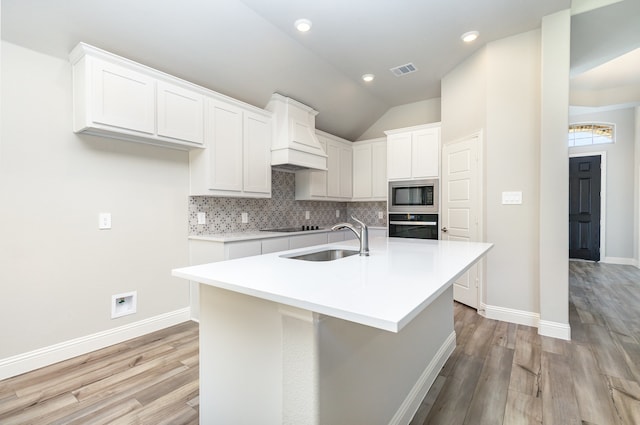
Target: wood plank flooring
[
  {"x": 148, "y": 380},
  {"x": 500, "y": 373}
]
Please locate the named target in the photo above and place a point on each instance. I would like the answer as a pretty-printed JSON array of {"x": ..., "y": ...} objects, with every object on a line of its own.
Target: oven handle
[{"x": 413, "y": 223}]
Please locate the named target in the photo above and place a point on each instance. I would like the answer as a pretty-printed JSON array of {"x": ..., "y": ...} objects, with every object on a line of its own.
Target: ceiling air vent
[{"x": 404, "y": 69}]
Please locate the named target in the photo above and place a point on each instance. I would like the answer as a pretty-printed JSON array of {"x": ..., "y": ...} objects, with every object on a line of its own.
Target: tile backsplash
[{"x": 281, "y": 210}]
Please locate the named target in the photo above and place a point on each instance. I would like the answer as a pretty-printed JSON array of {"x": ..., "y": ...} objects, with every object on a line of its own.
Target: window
[{"x": 585, "y": 134}]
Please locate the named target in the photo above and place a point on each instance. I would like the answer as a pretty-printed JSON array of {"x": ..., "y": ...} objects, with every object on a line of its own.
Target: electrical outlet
[
  {"x": 104, "y": 221},
  {"x": 337, "y": 213},
  {"x": 380, "y": 215},
  {"x": 307, "y": 215},
  {"x": 202, "y": 218},
  {"x": 245, "y": 217},
  {"x": 124, "y": 304}
]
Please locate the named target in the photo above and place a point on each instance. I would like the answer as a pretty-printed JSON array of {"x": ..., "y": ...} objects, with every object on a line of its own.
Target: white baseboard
[
  {"x": 411, "y": 403},
  {"x": 510, "y": 315},
  {"x": 21, "y": 363},
  {"x": 527, "y": 318},
  {"x": 554, "y": 330},
  {"x": 620, "y": 260}
]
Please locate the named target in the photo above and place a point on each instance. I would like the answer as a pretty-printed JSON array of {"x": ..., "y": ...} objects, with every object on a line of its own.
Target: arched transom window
[{"x": 584, "y": 134}]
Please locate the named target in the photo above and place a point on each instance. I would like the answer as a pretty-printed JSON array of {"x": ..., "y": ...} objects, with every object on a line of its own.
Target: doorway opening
[{"x": 586, "y": 206}]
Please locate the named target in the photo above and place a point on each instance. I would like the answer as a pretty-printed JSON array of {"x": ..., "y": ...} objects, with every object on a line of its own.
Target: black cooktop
[{"x": 292, "y": 229}]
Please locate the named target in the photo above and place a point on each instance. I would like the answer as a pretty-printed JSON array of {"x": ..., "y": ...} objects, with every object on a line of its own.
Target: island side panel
[
  {"x": 371, "y": 376},
  {"x": 240, "y": 359}
]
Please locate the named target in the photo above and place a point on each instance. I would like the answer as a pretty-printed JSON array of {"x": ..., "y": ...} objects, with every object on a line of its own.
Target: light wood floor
[
  {"x": 500, "y": 373},
  {"x": 148, "y": 380}
]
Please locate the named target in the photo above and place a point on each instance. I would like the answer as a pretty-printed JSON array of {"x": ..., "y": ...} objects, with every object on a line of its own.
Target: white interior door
[{"x": 461, "y": 190}]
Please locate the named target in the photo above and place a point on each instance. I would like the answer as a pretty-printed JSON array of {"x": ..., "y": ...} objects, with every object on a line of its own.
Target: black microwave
[{"x": 413, "y": 196}]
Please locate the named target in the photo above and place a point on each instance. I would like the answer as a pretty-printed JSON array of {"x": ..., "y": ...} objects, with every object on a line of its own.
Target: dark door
[{"x": 584, "y": 207}]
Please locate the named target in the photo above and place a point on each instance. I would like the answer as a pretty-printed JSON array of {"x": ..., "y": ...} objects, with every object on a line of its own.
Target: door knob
[{"x": 444, "y": 230}]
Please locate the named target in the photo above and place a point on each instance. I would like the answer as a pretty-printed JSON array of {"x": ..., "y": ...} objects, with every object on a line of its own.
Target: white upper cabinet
[
  {"x": 346, "y": 172},
  {"x": 224, "y": 145},
  {"x": 425, "y": 148},
  {"x": 122, "y": 98},
  {"x": 370, "y": 170},
  {"x": 257, "y": 153},
  {"x": 180, "y": 113},
  {"x": 414, "y": 152},
  {"x": 237, "y": 159},
  {"x": 334, "y": 184},
  {"x": 119, "y": 98}
]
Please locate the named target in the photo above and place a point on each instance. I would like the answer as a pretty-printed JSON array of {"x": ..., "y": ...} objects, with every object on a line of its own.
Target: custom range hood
[{"x": 295, "y": 144}]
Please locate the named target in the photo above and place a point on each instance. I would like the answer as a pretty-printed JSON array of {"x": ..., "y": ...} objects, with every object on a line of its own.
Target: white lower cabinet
[
  {"x": 274, "y": 245},
  {"x": 311, "y": 239}
]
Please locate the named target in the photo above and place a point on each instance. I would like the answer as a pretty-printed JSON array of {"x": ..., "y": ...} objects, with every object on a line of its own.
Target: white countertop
[
  {"x": 385, "y": 290},
  {"x": 257, "y": 234}
]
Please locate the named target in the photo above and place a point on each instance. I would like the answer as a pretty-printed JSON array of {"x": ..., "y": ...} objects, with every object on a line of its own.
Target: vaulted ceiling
[{"x": 249, "y": 49}]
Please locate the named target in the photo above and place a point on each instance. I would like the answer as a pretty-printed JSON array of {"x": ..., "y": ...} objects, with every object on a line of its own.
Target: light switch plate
[
  {"x": 245, "y": 217},
  {"x": 337, "y": 213},
  {"x": 104, "y": 221},
  {"x": 380, "y": 215},
  {"x": 307, "y": 215},
  {"x": 511, "y": 198}
]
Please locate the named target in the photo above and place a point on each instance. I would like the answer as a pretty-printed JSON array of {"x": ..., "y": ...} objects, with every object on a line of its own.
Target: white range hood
[{"x": 295, "y": 144}]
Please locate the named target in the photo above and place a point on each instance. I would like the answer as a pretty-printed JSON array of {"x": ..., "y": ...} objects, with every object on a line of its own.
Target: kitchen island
[{"x": 350, "y": 341}]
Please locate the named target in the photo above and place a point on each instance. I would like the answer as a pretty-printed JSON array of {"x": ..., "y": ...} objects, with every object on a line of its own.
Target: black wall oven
[
  {"x": 408, "y": 225},
  {"x": 413, "y": 196}
]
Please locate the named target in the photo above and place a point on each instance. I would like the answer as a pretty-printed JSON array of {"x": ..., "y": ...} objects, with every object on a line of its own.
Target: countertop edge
[{"x": 258, "y": 234}]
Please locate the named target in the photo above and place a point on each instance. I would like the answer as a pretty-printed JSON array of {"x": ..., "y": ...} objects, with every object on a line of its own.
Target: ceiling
[{"x": 248, "y": 49}]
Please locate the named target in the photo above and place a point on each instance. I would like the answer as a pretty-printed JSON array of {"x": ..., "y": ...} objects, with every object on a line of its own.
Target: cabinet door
[
  {"x": 337, "y": 236},
  {"x": 378, "y": 170},
  {"x": 123, "y": 98},
  {"x": 346, "y": 172},
  {"x": 242, "y": 249},
  {"x": 399, "y": 156},
  {"x": 180, "y": 113},
  {"x": 225, "y": 146},
  {"x": 362, "y": 162},
  {"x": 274, "y": 245},
  {"x": 425, "y": 158},
  {"x": 333, "y": 172},
  {"x": 302, "y": 241},
  {"x": 257, "y": 153}
]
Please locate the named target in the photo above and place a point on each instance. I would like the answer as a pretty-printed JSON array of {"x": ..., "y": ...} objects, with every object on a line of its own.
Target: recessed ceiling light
[
  {"x": 470, "y": 36},
  {"x": 368, "y": 77},
  {"x": 303, "y": 25}
]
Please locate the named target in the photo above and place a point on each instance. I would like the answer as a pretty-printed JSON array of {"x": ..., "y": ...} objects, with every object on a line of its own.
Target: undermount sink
[{"x": 324, "y": 255}]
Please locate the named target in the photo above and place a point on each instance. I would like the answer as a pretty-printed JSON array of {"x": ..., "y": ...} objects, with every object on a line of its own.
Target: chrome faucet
[{"x": 363, "y": 236}]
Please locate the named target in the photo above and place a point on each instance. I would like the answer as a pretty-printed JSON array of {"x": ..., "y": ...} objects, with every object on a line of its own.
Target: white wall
[
  {"x": 57, "y": 270},
  {"x": 554, "y": 176},
  {"x": 636, "y": 204},
  {"x": 423, "y": 112},
  {"x": 619, "y": 180},
  {"x": 499, "y": 90},
  {"x": 512, "y": 157}
]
